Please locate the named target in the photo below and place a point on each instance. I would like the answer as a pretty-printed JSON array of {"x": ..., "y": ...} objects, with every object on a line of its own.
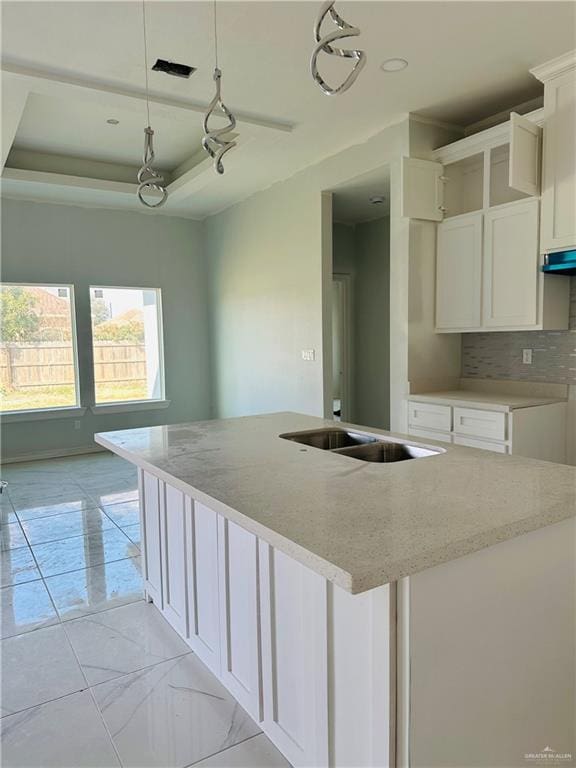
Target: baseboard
[{"x": 58, "y": 453}]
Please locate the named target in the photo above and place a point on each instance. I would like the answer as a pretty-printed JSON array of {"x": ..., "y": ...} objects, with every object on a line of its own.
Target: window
[
  {"x": 127, "y": 344},
  {"x": 38, "y": 364}
]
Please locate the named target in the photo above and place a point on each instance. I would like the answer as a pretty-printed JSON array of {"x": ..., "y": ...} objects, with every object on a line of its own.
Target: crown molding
[{"x": 555, "y": 67}]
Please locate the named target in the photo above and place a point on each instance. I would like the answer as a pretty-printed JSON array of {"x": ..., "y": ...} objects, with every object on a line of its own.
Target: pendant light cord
[
  {"x": 215, "y": 36},
  {"x": 146, "y": 59}
]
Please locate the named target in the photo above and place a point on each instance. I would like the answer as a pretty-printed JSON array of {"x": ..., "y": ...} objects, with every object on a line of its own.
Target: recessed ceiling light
[
  {"x": 112, "y": 121},
  {"x": 377, "y": 199},
  {"x": 393, "y": 65}
]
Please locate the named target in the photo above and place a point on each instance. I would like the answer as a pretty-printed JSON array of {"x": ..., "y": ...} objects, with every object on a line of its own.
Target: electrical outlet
[
  {"x": 527, "y": 356},
  {"x": 308, "y": 354},
  {"x": 77, "y": 424}
]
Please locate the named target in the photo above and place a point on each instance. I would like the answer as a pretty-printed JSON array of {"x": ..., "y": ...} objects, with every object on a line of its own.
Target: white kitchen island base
[
  {"x": 312, "y": 664},
  {"x": 485, "y": 649}
]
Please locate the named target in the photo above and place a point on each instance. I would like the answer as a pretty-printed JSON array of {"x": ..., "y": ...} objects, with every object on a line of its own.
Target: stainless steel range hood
[{"x": 561, "y": 263}]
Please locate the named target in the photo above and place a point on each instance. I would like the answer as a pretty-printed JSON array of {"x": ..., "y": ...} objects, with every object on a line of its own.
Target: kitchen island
[{"x": 413, "y": 612}]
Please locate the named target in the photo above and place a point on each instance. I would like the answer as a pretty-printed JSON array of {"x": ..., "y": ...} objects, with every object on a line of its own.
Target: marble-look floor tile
[
  {"x": 37, "y": 667},
  {"x": 26, "y": 607},
  {"x": 65, "y": 733},
  {"x": 203, "y": 718},
  {"x": 123, "y": 640},
  {"x": 116, "y": 497},
  {"x": 134, "y": 534},
  {"x": 7, "y": 513},
  {"x": 12, "y": 536},
  {"x": 66, "y": 526},
  {"x": 17, "y": 566},
  {"x": 81, "y": 552},
  {"x": 125, "y": 513},
  {"x": 37, "y": 494},
  {"x": 34, "y": 512},
  {"x": 96, "y": 589},
  {"x": 256, "y": 752}
]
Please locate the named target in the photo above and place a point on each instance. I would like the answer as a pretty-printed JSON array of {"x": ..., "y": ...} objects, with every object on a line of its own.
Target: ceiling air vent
[{"x": 172, "y": 68}]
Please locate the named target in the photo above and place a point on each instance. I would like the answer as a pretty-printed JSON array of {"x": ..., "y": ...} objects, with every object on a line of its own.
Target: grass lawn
[{"x": 64, "y": 396}]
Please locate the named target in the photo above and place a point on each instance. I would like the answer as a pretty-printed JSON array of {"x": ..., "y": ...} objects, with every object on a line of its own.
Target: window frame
[
  {"x": 141, "y": 404},
  {"x": 29, "y": 414}
]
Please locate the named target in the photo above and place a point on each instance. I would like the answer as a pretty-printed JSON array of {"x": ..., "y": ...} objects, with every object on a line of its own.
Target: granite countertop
[
  {"x": 359, "y": 524},
  {"x": 488, "y": 401}
]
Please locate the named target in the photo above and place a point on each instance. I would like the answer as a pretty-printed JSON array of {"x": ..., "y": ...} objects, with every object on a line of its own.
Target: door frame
[{"x": 345, "y": 280}]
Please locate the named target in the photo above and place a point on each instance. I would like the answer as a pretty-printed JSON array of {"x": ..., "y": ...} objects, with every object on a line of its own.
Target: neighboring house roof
[{"x": 130, "y": 316}]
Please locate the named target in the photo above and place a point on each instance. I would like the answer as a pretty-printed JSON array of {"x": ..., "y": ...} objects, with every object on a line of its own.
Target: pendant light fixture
[
  {"x": 324, "y": 45},
  {"x": 215, "y": 141},
  {"x": 149, "y": 180}
]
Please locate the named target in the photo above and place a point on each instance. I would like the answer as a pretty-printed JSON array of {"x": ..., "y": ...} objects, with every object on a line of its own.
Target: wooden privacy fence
[{"x": 51, "y": 364}]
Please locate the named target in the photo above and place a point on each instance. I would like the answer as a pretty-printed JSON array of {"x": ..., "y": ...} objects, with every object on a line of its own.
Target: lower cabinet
[
  {"x": 203, "y": 594},
  {"x": 294, "y": 658},
  {"x": 151, "y": 539},
  {"x": 174, "y": 557},
  {"x": 239, "y": 615},
  {"x": 308, "y": 661}
]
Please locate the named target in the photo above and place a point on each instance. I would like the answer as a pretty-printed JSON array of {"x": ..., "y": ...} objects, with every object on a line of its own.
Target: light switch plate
[
  {"x": 308, "y": 354},
  {"x": 527, "y": 356}
]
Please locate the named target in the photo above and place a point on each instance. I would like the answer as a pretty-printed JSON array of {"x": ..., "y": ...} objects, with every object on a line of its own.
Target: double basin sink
[{"x": 358, "y": 445}]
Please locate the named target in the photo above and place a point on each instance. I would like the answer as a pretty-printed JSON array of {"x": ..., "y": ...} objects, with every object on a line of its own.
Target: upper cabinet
[
  {"x": 491, "y": 168},
  {"x": 558, "y": 230},
  {"x": 484, "y": 192}
]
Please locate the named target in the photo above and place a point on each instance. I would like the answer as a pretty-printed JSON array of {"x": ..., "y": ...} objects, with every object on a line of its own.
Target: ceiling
[
  {"x": 80, "y": 63},
  {"x": 352, "y": 203}
]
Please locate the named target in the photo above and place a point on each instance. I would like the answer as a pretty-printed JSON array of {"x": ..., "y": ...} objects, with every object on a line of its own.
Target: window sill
[
  {"x": 42, "y": 415},
  {"x": 125, "y": 407}
]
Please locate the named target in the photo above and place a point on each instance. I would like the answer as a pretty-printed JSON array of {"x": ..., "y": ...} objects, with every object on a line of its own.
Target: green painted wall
[
  {"x": 269, "y": 276},
  {"x": 363, "y": 252},
  {"x": 66, "y": 244}
]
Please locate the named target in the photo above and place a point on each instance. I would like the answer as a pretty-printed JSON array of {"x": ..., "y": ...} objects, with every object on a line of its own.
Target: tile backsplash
[{"x": 499, "y": 355}]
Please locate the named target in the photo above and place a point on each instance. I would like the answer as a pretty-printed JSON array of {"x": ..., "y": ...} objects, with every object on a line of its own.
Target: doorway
[{"x": 360, "y": 309}]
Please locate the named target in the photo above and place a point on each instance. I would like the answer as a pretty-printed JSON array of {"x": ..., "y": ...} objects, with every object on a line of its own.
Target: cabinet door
[
  {"x": 511, "y": 266},
  {"x": 525, "y": 162},
  {"x": 150, "y": 517},
  {"x": 239, "y": 615},
  {"x": 294, "y": 658},
  {"x": 174, "y": 558},
  {"x": 459, "y": 272},
  {"x": 559, "y": 187},
  {"x": 203, "y": 596},
  {"x": 421, "y": 189}
]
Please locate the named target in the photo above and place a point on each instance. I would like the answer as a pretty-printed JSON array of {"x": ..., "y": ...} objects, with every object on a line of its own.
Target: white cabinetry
[
  {"x": 559, "y": 174},
  {"x": 239, "y": 615},
  {"x": 483, "y": 190},
  {"x": 294, "y": 654},
  {"x": 511, "y": 265},
  {"x": 203, "y": 593},
  {"x": 459, "y": 272},
  {"x": 151, "y": 537},
  {"x": 309, "y": 662},
  {"x": 537, "y": 432},
  {"x": 174, "y": 557}
]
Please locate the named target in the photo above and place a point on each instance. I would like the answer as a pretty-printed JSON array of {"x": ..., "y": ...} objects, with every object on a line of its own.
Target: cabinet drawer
[
  {"x": 430, "y": 434},
  {"x": 473, "y": 442},
  {"x": 477, "y": 423},
  {"x": 429, "y": 416}
]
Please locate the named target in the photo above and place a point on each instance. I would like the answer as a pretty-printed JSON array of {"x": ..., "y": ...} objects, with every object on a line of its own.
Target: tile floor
[{"x": 82, "y": 654}]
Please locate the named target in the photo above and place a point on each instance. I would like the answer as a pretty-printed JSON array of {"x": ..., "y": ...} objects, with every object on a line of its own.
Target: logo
[{"x": 548, "y": 756}]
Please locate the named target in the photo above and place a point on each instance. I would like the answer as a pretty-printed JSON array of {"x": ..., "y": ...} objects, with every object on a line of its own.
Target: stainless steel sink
[
  {"x": 358, "y": 445},
  {"x": 328, "y": 439},
  {"x": 384, "y": 452}
]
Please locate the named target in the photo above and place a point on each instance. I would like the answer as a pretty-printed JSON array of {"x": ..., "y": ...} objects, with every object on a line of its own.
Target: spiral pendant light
[
  {"x": 149, "y": 180},
  {"x": 324, "y": 44},
  {"x": 215, "y": 141}
]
